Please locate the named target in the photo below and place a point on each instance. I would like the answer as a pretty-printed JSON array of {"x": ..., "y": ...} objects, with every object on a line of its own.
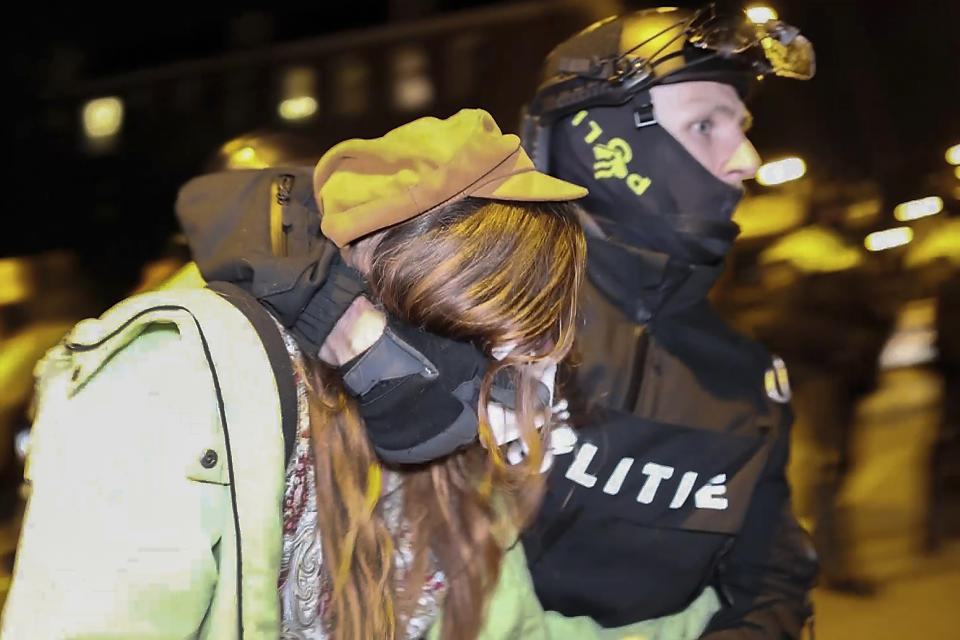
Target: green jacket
[{"x": 156, "y": 471}]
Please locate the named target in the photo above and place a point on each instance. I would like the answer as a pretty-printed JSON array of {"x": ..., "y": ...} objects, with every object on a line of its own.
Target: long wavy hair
[{"x": 495, "y": 273}]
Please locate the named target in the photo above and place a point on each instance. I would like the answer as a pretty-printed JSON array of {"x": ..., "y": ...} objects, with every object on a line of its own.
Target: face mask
[{"x": 646, "y": 190}]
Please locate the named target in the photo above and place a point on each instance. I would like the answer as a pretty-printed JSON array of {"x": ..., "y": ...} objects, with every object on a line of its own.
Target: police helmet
[{"x": 618, "y": 59}]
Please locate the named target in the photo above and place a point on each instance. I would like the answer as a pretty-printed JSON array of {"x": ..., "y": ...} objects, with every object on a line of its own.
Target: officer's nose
[{"x": 743, "y": 164}]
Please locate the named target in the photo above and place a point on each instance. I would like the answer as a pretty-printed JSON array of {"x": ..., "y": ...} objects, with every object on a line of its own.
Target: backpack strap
[{"x": 266, "y": 328}]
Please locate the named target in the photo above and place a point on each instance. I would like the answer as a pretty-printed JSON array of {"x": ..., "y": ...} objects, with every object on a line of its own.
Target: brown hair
[{"x": 492, "y": 272}]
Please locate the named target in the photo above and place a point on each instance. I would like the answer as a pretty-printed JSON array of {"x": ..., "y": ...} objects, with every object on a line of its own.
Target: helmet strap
[{"x": 643, "y": 109}]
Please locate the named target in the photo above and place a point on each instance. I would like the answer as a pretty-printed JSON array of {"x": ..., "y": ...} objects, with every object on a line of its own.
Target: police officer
[{"x": 676, "y": 486}]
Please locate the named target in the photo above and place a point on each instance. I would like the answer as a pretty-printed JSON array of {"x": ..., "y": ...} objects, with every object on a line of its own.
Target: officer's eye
[{"x": 703, "y": 127}]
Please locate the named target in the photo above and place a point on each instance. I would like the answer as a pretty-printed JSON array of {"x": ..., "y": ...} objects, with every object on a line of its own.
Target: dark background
[{"x": 881, "y": 110}]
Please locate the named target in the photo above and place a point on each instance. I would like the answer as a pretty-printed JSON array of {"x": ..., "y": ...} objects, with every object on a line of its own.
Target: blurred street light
[
  {"x": 242, "y": 155},
  {"x": 760, "y": 14},
  {"x": 297, "y": 108},
  {"x": 918, "y": 208},
  {"x": 781, "y": 171},
  {"x": 246, "y": 154},
  {"x": 299, "y": 91},
  {"x": 412, "y": 88},
  {"x": 953, "y": 154},
  {"x": 102, "y": 117},
  {"x": 888, "y": 238},
  {"x": 956, "y": 172}
]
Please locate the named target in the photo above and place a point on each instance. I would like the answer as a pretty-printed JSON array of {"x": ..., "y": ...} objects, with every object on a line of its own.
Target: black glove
[
  {"x": 328, "y": 303},
  {"x": 309, "y": 303},
  {"x": 417, "y": 393}
]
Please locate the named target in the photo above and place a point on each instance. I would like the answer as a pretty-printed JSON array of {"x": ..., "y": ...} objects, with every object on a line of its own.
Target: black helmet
[{"x": 610, "y": 62}]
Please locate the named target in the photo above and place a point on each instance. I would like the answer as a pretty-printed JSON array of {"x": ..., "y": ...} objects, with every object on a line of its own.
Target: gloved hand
[
  {"x": 325, "y": 307},
  {"x": 357, "y": 330},
  {"x": 417, "y": 393}
]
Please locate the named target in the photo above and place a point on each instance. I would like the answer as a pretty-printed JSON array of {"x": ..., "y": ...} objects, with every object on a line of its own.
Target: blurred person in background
[
  {"x": 18, "y": 352},
  {"x": 945, "y": 463},
  {"x": 41, "y": 297},
  {"x": 933, "y": 262},
  {"x": 676, "y": 492},
  {"x": 829, "y": 327}
]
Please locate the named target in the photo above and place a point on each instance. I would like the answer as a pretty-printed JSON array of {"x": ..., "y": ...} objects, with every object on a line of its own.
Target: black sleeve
[{"x": 765, "y": 579}]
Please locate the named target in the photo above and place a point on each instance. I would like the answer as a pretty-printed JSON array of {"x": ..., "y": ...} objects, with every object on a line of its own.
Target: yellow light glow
[
  {"x": 297, "y": 108},
  {"x": 956, "y": 172},
  {"x": 15, "y": 284},
  {"x": 888, "y": 238},
  {"x": 918, "y": 208},
  {"x": 813, "y": 249},
  {"x": 781, "y": 171},
  {"x": 953, "y": 154},
  {"x": 769, "y": 213},
  {"x": 233, "y": 146},
  {"x": 246, "y": 158},
  {"x": 102, "y": 117},
  {"x": 942, "y": 243},
  {"x": 864, "y": 210},
  {"x": 761, "y": 14}
]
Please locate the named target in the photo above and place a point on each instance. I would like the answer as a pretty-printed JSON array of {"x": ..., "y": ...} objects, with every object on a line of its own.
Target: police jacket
[{"x": 677, "y": 479}]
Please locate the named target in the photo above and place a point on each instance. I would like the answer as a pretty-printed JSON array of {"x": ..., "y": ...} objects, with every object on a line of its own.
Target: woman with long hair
[
  {"x": 452, "y": 231},
  {"x": 406, "y": 542},
  {"x": 500, "y": 274}
]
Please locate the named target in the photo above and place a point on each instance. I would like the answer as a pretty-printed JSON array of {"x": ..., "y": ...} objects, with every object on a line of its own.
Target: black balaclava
[{"x": 665, "y": 219}]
